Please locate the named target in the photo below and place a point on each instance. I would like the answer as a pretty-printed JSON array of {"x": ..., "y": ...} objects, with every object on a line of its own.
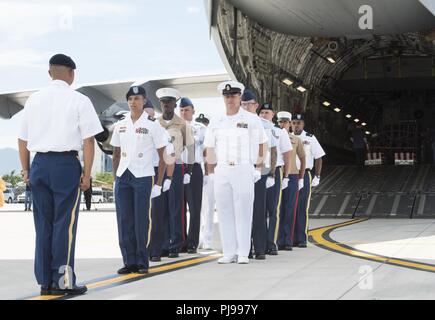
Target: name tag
[
  {"x": 142, "y": 131},
  {"x": 242, "y": 125}
]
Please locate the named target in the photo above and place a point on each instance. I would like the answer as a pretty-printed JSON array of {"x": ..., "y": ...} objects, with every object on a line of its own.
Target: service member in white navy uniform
[
  {"x": 234, "y": 143},
  {"x": 193, "y": 187},
  {"x": 313, "y": 156},
  {"x": 57, "y": 121},
  {"x": 135, "y": 138}
]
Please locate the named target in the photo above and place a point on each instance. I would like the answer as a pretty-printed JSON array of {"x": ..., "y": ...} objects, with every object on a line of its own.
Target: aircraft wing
[{"x": 105, "y": 94}]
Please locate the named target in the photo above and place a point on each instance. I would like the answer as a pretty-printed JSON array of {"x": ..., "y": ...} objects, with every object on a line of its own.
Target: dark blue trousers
[
  {"x": 289, "y": 202},
  {"x": 55, "y": 180},
  {"x": 193, "y": 196},
  {"x": 301, "y": 227},
  {"x": 273, "y": 201},
  {"x": 259, "y": 221},
  {"x": 133, "y": 196},
  {"x": 168, "y": 217}
]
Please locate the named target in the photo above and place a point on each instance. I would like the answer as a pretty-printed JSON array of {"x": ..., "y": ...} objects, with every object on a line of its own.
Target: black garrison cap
[{"x": 62, "y": 60}]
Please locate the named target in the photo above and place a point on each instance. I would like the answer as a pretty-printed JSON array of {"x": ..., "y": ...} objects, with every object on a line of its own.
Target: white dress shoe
[
  {"x": 243, "y": 260},
  {"x": 227, "y": 259}
]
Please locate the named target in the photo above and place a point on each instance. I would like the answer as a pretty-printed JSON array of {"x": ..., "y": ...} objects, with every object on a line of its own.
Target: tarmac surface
[{"x": 345, "y": 259}]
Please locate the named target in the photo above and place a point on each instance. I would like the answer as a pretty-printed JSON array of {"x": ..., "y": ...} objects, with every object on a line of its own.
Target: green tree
[
  {"x": 104, "y": 177},
  {"x": 13, "y": 178}
]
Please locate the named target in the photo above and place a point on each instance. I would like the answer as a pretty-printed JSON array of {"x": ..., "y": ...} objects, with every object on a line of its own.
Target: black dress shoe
[
  {"x": 288, "y": 248},
  {"x": 272, "y": 252},
  {"x": 142, "y": 269},
  {"x": 156, "y": 259},
  {"x": 302, "y": 245},
  {"x": 127, "y": 270},
  {"x": 76, "y": 290},
  {"x": 165, "y": 253},
  {"x": 45, "y": 290},
  {"x": 173, "y": 255},
  {"x": 260, "y": 256},
  {"x": 191, "y": 251},
  {"x": 281, "y": 247}
]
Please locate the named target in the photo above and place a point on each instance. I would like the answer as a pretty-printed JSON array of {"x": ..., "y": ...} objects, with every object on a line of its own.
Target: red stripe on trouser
[
  {"x": 183, "y": 228},
  {"x": 295, "y": 212}
]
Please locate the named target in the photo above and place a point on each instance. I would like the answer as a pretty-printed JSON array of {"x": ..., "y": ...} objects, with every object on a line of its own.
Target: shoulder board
[
  {"x": 277, "y": 126},
  {"x": 310, "y": 135},
  {"x": 151, "y": 118}
]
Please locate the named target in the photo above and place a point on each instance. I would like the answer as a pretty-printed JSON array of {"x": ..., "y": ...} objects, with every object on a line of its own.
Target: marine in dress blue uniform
[
  {"x": 290, "y": 186},
  {"x": 135, "y": 139},
  {"x": 57, "y": 121}
]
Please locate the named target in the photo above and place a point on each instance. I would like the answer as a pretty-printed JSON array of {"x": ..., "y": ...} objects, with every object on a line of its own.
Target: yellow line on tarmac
[
  {"x": 152, "y": 270},
  {"x": 320, "y": 237}
]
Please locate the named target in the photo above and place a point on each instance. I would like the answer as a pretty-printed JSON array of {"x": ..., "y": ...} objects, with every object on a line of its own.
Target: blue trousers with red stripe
[
  {"x": 55, "y": 180},
  {"x": 167, "y": 216}
]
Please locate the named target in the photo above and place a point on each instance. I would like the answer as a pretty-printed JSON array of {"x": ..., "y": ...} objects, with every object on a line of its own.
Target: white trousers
[
  {"x": 207, "y": 214},
  {"x": 234, "y": 192}
]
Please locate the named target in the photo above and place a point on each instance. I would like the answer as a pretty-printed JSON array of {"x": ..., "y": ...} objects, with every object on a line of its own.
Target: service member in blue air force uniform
[
  {"x": 193, "y": 189},
  {"x": 57, "y": 121},
  {"x": 267, "y": 181},
  {"x": 135, "y": 138},
  {"x": 274, "y": 194},
  {"x": 313, "y": 155}
]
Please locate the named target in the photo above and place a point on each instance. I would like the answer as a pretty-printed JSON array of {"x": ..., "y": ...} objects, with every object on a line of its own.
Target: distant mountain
[{"x": 9, "y": 160}]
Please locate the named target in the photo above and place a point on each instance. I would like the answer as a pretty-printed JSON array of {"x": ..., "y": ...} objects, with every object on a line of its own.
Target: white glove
[
  {"x": 301, "y": 183},
  {"x": 166, "y": 185},
  {"x": 170, "y": 150},
  {"x": 257, "y": 176},
  {"x": 284, "y": 183},
  {"x": 270, "y": 182},
  {"x": 315, "y": 181},
  {"x": 208, "y": 179},
  {"x": 156, "y": 191},
  {"x": 186, "y": 179}
]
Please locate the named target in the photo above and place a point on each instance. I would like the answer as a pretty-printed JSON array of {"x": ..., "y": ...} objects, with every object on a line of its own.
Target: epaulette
[
  {"x": 309, "y": 134},
  {"x": 151, "y": 118}
]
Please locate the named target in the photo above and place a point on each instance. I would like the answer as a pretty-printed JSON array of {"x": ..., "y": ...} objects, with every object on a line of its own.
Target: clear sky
[{"x": 108, "y": 39}]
